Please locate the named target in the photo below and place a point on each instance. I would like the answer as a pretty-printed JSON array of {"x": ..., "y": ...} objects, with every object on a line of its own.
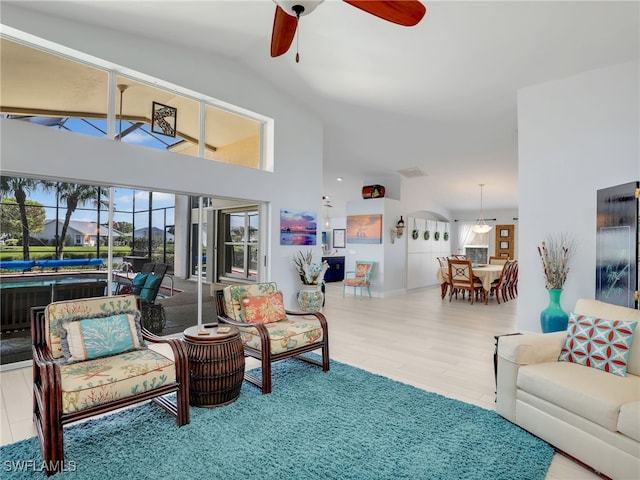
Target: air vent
[{"x": 412, "y": 172}]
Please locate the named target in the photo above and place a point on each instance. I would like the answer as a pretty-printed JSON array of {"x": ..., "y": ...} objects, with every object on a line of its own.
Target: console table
[
  {"x": 495, "y": 356},
  {"x": 335, "y": 273}
]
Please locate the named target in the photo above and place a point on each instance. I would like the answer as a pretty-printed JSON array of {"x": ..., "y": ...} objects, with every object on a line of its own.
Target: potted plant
[
  {"x": 555, "y": 252},
  {"x": 310, "y": 296}
]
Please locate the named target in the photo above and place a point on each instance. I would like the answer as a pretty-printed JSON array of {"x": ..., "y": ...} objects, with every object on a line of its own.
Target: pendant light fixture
[
  {"x": 481, "y": 226},
  {"x": 327, "y": 204}
]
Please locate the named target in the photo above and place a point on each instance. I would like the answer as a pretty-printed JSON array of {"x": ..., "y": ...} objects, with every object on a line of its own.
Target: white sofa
[{"x": 592, "y": 415}]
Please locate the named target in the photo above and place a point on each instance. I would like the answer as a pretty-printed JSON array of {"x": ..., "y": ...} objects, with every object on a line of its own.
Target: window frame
[{"x": 246, "y": 243}]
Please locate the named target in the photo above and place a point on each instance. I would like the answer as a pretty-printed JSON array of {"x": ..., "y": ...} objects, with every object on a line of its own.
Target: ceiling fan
[{"x": 402, "y": 12}]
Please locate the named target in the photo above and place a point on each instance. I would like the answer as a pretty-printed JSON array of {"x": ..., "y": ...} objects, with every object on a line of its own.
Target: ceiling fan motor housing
[{"x": 298, "y": 8}]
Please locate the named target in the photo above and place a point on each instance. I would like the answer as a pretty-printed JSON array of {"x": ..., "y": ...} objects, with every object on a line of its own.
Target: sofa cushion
[
  {"x": 85, "y": 307},
  {"x": 95, "y": 382},
  {"x": 629, "y": 420},
  {"x": 593, "y": 394},
  {"x": 599, "y": 309},
  {"x": 137, "y": 282},
  {"x": 264, "y": 309},
  {"x": 150, "y": 288},
  {"x": 89, "y": 338},
  {"x": 285, "y": 334},
  {"x": 598, "y": 343},
  {"x": 233, "y": 295}
]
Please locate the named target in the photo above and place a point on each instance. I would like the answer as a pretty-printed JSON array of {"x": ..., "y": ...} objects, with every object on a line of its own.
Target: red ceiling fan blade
[
  {"x": 403, "y": 12},
  {"x": 284, "y": 29}
]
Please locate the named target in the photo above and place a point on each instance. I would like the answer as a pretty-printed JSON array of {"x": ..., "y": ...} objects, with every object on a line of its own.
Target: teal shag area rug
[{"x": 343, "y": 424}]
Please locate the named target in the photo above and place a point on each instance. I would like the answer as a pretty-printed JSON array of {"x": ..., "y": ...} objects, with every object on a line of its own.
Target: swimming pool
[
  {"x": 33, "y": 280},
  {"x": 21, "y": 292}
]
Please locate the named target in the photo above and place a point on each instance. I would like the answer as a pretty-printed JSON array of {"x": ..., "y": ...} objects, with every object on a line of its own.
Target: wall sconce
[
  {"x": 400, "y": 227},
  {"x": 398, "y": 230}
]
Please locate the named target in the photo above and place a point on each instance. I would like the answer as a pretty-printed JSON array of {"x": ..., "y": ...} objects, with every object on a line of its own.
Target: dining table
[{"x": 487, "y": 274}]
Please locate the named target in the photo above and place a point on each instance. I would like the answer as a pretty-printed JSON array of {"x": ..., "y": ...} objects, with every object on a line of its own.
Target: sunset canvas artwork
[
  {"x": 364, "y": 229},
  {"x": 298, "y": 227}
]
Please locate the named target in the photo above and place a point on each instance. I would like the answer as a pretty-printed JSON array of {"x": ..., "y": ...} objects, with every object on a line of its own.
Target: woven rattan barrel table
[{"x": 216, "y": 365}]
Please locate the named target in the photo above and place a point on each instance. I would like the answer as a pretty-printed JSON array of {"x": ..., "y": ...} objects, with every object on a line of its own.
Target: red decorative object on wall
[{"x": 372, "y": 191}]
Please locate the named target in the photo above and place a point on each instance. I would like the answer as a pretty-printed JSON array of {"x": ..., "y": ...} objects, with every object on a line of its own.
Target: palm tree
[
  {"x": 74, "y": 195},
  {"x": 20, "y": 187}
]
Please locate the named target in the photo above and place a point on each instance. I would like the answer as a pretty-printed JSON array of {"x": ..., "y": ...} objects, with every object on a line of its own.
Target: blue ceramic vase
[{"x": 553, "y": 318}]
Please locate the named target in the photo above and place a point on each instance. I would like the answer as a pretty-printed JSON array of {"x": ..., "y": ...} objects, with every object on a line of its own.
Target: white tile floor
[{"x": 416, "y": 338}]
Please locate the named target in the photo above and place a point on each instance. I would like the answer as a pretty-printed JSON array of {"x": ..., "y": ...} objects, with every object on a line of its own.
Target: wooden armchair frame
[
  {"x": 363, "y": 280},
  {"x": 264, "y": 354},
  {"x": 47, "y": 393}
]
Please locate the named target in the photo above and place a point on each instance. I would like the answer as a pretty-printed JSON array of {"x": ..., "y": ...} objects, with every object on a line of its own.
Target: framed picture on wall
[
  {"x": 163, "y": 119},
  {"x": 504, "y": 232},
  {"x": 298, "y": 227},
  {"x": 504, "y": 245},
  {"x": 364, "y": 228},
  {"x": 339, "y": 238}
]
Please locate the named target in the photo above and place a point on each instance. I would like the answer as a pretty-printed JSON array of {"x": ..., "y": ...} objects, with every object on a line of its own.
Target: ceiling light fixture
[
  {"x": 327, "y": 204},
  {"x": 298, "y": 8},
  {"x": 292, "y": 7},
  {"x": 481, "y": 226}
]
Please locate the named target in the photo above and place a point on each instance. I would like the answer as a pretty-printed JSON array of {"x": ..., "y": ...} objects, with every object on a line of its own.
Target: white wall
[
  {"x": 389, "y": 274},
  {"x": 422, "y": 257},
  {"x": 575, "y": 136},
  {"x": 295, "y": 183}
]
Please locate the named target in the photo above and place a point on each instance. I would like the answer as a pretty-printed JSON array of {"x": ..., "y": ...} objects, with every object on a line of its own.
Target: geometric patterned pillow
[
  {"x": 264, "y": 309},
  {"x": 100, "y": 336},
  {"x": 598, "y": 343}
]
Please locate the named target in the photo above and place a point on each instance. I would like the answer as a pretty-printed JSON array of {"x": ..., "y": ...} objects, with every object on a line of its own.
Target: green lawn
[{"x": 48, "y": 253}]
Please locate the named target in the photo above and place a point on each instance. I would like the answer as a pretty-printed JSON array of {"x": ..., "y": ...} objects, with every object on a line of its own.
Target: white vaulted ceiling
[{"x": 440, "y": 96}]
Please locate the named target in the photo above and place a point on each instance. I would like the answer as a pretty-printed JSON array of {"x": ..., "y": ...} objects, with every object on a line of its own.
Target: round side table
[{"x": 216, "y": 365}]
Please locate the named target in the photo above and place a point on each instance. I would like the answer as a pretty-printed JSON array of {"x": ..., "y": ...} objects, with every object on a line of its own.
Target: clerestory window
[{"x": 41, "y": 86}]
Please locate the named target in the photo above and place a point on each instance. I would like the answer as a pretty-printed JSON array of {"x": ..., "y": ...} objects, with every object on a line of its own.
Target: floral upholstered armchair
[
  {"x": 268, "y": 331},
  {"x": 359, "y": 278},
  {"x": 90, "y": 357}
]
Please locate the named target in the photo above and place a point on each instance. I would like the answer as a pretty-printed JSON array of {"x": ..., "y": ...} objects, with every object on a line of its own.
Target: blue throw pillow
[
  {"x": 101, "y": 336},
  {"x": 150, "y": 288},
  {"x": 138, "y": 282}
]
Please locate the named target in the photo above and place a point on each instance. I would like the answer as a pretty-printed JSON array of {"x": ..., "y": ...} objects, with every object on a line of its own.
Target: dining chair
[
  {"x": 512, "y": 282},
  {"x": 498, "y": 286},
  {"x": 461, "y": 278},
  {"x": 506, "y": 289},
  {"x": 498, "y": 260},
  {"x": 444, "y": 285}
]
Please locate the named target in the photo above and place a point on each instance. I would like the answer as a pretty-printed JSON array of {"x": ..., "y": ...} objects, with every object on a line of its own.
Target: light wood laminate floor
[{"x": 440, "y": 346}]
